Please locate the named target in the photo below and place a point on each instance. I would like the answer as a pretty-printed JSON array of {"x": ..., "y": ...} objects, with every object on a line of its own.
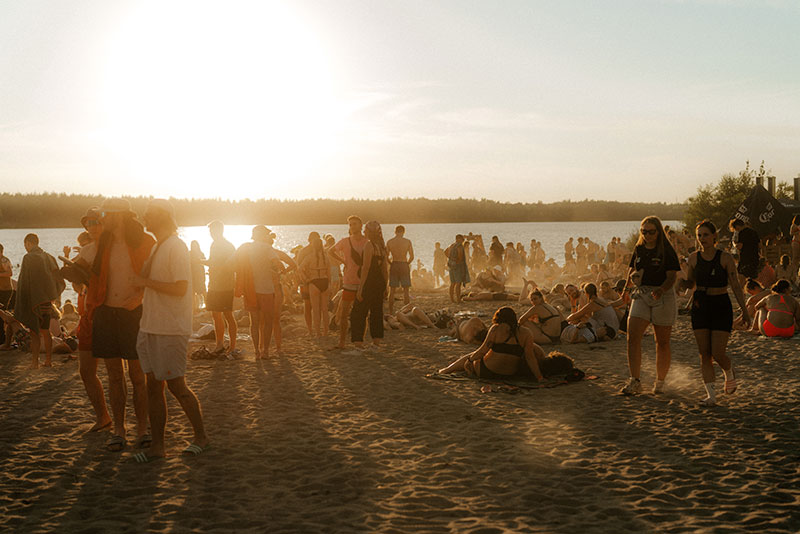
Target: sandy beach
[{"x": 318, "y": 441}]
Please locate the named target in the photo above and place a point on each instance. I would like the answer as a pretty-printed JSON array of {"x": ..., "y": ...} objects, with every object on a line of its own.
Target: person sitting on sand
[
  {"x": 507, "y": 351},
  {"x": 595, "y": 308},
  {"x": 577, "y": 298},
  {"x": 778, "y": 312},
  {"x": 470, "y": 330},
  {"x": 491, "y": 279},
  {"x": 558, "y": 297},
  {"x": 756, "y": 292},
  {"x": 543, "y": 320},
  {"x": 413, "y": 317}
]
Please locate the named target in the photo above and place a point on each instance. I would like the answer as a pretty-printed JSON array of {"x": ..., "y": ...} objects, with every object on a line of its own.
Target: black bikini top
[{"x": 514, "y": 349}]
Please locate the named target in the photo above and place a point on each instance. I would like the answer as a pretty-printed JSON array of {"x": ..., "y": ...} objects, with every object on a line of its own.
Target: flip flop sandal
[
  {"x": 194, "y": 450},
  {"x": 143, "y": 458},
  {"x": 116, "y": 443},
  {"x": 144, "y": 442}
]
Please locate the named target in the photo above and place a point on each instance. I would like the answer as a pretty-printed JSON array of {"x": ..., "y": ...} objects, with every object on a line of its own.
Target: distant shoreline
[{"x": 58, "y": 210}]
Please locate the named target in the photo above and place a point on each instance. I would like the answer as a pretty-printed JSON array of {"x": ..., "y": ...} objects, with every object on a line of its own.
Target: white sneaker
[{"x": 633, "y": 387}]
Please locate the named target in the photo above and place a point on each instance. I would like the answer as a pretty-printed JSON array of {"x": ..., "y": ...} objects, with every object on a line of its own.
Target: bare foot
[{"x": 100, "y": 425}]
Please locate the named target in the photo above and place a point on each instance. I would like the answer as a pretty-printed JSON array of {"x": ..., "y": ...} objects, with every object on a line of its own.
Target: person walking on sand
[
  {"x": 122, "y": 249},
  {"x": 36, "y": 291},
  {"x": 221, "y": 283},
  {"x": 457, "y": 264},
  {"x": 653, "y": 302},
  {"x": 350, "y": 252},
  {"x": 371, "y": 289},
  {"x": 711, "y": 271},
  {"x": 401, "y": 254},
  {"x": 87, "y": 363},
  {"x": 166, "y": 325}
]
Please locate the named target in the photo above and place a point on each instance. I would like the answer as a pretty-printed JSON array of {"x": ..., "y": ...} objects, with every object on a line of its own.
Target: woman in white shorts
[{"x": 654, "y": 267}]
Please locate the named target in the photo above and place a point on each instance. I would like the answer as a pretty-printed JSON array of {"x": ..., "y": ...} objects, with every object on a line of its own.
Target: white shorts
[
  {"x": 162, "y": 355},
  {"x": 661, "y": 312},
  {"x": 569, "y": 333}
]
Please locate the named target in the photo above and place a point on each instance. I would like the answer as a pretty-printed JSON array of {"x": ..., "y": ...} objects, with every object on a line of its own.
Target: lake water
[{"x": 552, "y": 235}]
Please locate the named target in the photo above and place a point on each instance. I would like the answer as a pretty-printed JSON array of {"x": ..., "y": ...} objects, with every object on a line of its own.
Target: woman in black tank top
[
  {"x": 369, "y": 299},
  {"x": 507, "y": 351},
  {"x": 711, "y": 271}
]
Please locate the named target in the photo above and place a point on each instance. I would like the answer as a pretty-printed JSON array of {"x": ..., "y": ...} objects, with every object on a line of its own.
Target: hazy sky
[{"x": 636, "y": 100}]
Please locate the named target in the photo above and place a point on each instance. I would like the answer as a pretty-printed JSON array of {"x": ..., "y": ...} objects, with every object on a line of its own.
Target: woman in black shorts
[{"x": 710, "y": 272}]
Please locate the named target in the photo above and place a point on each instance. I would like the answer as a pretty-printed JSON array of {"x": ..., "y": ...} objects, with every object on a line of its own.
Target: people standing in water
[
  {"x": 457, "y": 264},
  {"x": 315, "y": 267},
  {"x": 350, "y": 252},
  {"x": 711, "y": 271},
  {"x": 371, "y": 289},
  {"x": 221, "y": 284},
  {"x": 401, "y": 254},
  {"x": 656, "y": 265}
]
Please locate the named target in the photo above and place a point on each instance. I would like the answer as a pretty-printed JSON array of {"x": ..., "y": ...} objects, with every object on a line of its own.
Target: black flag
[{"x": 764, "y": 213}]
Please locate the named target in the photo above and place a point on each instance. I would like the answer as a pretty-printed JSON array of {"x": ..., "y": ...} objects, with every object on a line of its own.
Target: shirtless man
[
  {"x": 439, "y": 264},
  {"x": 401, "y": 254},
  {"x": 221, "y": 284},
  {"x": 568, "y": 249},
  {"x": 470, "y": 330}
]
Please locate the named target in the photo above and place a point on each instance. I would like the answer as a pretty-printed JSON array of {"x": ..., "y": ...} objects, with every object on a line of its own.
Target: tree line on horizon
[{"x": 61, "y": 210}]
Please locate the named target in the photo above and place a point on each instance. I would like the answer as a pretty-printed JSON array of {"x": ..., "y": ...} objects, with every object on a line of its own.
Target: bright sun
[{"x": 219, "y": 99}]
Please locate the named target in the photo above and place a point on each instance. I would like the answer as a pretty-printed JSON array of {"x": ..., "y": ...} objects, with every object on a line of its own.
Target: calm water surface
[{"x": 553, "y": 235}]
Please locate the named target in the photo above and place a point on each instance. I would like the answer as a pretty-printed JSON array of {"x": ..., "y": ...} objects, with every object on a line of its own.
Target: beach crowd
[{"x": 139, "y": 286}]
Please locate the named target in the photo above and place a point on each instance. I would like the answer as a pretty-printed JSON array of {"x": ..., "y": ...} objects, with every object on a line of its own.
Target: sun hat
[
  {"x": 91, "y": 213},
  {"x": 116, "y": 205}
]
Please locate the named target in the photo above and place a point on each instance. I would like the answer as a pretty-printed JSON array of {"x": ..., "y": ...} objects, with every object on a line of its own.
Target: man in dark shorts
[
  {"x": 36, "y": 292},
  {"x": 401, "y": 254},
  {"x": 122, "y": 251},
  {"x": 221, "y": 283},
  {"x": 749, "y": 243}
]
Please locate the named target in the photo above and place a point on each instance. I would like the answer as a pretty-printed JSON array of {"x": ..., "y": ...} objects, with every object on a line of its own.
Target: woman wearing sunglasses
[{"x": 656, "y": 265}]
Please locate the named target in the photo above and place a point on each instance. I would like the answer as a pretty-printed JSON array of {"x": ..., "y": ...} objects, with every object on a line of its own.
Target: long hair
[
  {"x": 316, "y": 245},
  {"x": 662, "y": 243},
  {"x": 134, "y": 235},
  {"x": 590, "y": 289},
  {"x": 373, "y": 232},
  {"x": 507, "y": 316}
]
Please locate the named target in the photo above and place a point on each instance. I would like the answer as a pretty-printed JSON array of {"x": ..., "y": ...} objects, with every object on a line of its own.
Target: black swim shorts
[
  {"x": 114, "y": 332},
  {"x": 219, "y": 301}
]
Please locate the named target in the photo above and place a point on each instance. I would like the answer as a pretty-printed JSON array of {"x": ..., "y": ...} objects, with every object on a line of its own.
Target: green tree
[{"x": 718, "y": 202}]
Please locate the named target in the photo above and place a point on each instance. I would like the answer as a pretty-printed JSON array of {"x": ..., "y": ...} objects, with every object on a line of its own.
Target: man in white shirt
[{"x": 165, "y": 329}]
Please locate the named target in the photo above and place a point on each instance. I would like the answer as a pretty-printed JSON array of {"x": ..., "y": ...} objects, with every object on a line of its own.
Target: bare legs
[
  {"x": 344, "y": 318},
  {"x": 87, "y": 365},
  {"x": 118, "y": 394},
  {"x": 36, "y": 344},
  {"x": 636, "y": 328},
  {"x": 455, "y": 292},
  {"x": 319, "y": 310},
  {"x": 220, "y": 319},
  {"x": 158, "y": 411}
]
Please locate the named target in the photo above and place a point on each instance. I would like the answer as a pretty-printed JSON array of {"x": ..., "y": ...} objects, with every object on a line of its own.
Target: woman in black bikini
[
  {"x": 316, "y": 268},
  {"x": 543, "y": 320},
  {"x": 711, "y": 271},
  {"x": 507, "y": 351}
]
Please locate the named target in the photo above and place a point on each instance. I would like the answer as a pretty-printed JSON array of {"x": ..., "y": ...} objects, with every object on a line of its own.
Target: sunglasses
[{"x": 648, "y": 232}]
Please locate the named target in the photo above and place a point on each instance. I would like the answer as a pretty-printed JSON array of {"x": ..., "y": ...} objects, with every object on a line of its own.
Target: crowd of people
[{"x": 138, "y": 285}]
